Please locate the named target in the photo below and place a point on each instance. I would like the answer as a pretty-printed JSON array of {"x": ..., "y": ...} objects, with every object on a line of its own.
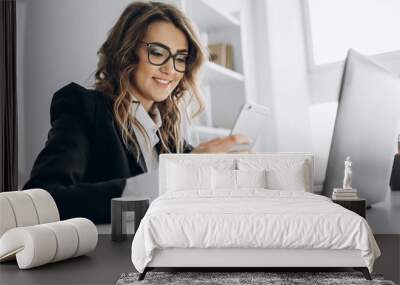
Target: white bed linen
[{"x": 250, "y": 218}]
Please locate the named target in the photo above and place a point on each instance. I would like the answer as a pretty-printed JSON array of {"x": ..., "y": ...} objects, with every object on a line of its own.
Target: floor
[
  {"x": 384, "y": 220},
  {"x": 388, "y": 263},
  {"x": 102, "y": 266},
  {"x": 384, "y": 217}
]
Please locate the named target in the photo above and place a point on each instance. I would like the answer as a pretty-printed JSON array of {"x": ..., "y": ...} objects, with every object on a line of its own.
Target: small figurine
[{"x": 347, "y": 174}]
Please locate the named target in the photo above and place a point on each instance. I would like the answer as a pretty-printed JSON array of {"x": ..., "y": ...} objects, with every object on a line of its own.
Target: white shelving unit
[
  {"x": 207, "y": 17},
  {"x": 218, "y": 74},
  {"x": 224, "y": 89}
]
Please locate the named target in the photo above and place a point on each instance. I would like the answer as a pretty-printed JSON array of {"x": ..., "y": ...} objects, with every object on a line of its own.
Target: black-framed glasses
[{"x": 158, "y": 54}]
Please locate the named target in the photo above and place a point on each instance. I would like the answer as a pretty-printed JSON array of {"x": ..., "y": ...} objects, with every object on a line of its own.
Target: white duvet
[{"x": 250, "y": 218}]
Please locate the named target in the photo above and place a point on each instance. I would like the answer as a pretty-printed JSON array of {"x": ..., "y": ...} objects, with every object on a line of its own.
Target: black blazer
[{"x": 84, "y": 163}]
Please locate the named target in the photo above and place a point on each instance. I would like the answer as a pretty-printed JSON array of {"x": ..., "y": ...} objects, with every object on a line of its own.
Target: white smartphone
[{"x": 250, "y": 121}]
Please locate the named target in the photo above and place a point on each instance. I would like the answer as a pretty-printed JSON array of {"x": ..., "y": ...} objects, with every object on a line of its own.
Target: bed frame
[{"x": 241, "y": 259}]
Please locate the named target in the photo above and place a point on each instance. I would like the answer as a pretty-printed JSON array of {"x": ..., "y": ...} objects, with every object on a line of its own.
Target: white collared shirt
[{"x": 150, "y": 125}]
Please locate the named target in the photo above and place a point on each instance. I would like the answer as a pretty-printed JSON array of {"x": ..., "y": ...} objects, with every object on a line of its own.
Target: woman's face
[{"x": 154, "y": 83}]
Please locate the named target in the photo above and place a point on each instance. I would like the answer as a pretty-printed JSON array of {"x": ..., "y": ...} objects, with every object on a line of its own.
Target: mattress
[{"x": 250, "y": 218}]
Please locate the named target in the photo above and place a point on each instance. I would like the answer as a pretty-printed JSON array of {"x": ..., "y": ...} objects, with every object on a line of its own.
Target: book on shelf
[{"x": 221, "y": 53}]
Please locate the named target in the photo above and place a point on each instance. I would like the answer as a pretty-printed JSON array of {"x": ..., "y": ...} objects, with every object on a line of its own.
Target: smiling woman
[{"x": 101, "y": 137}]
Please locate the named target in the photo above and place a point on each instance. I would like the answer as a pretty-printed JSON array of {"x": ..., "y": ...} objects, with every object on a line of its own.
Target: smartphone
[{"x": 250, "y": 121}]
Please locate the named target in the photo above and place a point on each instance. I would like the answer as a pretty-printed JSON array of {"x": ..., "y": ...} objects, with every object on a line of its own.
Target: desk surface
[{"x": 102, "y": 266}]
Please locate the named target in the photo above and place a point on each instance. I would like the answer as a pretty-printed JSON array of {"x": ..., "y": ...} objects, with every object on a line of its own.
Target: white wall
[
  {"x": 258, "y": 41},
  {"x": 57, "y": 43},
  {"x": 288, "y": 71}
]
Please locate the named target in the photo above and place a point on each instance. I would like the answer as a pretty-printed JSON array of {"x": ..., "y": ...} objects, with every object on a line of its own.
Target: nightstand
[
  {"x": 358, "y": 206},
  {"x": 120, "y": 207}
]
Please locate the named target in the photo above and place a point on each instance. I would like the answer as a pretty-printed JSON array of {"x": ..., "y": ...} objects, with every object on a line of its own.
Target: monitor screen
[{"x": 366, "y": 128}]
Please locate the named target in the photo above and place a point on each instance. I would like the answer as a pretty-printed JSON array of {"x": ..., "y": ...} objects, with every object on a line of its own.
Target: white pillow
[
  {"x": 282, "y": 174},
  {"x": 223, "y": 179},
  {"x": 251, "y": 178},
  {"x": 183, "y": 177},
  {"x": 288, "y": 178}
]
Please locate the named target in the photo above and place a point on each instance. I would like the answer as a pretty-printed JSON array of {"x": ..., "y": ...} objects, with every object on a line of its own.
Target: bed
[{"x": 247, "y": 210}]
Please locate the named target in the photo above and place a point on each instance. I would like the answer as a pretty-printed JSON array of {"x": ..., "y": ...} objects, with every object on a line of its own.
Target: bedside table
[
  {"x": 119, "y": 209},
  {"x": 358, "y": 206}
]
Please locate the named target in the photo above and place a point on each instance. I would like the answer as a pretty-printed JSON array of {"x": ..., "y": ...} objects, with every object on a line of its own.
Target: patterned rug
[{"x": 243, "y": 278}]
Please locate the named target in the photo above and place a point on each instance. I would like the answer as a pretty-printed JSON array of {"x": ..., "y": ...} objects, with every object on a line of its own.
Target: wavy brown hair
[{"x": 118, "y": 59}]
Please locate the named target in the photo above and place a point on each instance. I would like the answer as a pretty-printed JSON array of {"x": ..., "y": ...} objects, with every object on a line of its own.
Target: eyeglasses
[{"x": 158, "y": 54}]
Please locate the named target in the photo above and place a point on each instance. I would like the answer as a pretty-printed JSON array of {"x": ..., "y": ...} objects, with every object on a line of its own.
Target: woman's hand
[{"x": 218, "y": 145}]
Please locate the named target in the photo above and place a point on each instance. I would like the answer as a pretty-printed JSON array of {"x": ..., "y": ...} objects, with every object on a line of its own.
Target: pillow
[
  {"x": 183, "y": 177},
  {"x": 282, "y": 174},
  {"x": 288, "y": 178},
  {"x": 223, "y": 179},
  {"x": 251, "y": 178},
  {"x": 236, "y": 179}
]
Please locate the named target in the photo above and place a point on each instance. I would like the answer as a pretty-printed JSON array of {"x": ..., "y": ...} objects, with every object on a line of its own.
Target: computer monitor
[{"x": 366, "y": 128}]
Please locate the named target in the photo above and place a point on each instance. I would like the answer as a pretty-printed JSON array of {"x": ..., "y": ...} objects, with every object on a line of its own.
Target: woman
[{"x": 100, "y": 138}]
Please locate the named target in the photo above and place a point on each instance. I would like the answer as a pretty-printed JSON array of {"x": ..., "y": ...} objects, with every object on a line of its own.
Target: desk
[{"x": 102, "y": 266}]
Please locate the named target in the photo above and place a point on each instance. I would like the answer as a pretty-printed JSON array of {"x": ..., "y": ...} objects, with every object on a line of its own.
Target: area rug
[{"x": 244, "y": 278}]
